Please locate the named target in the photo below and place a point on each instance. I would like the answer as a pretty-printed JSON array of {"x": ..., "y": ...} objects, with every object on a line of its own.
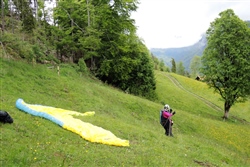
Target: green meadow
[{"x": 201, "y": 136}]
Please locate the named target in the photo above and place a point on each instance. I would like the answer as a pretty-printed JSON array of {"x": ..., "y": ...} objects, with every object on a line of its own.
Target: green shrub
[{"x": 82, "y": 66}]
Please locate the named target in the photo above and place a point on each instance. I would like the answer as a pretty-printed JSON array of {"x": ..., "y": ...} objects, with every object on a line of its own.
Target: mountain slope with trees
[
  {"x": 184, "y": 54},
  {"x": 100, "y": 36}
]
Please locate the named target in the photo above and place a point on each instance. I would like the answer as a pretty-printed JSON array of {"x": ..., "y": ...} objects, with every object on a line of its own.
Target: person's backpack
[
  {"x": 5, "y": 117},
  {"x": 162, "y": 119}
]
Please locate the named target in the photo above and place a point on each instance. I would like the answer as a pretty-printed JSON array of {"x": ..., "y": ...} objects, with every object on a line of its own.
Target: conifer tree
[{"x": 173, "y": 68}]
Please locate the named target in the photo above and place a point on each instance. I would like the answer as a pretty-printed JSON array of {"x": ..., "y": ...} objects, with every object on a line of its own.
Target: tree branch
[{"x": 73, "y": 20}]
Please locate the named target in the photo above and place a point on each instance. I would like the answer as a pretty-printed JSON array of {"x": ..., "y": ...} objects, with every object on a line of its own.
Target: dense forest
[{"x": 96, "y": 36}]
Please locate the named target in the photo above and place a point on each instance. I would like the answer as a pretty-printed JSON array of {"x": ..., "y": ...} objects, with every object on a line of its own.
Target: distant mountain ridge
[{"x": 184, "y": 54}]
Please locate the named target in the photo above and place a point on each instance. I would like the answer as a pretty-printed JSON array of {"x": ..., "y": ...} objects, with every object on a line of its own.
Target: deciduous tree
[
  {"x": 195, "y": 66},
  {"x": 226, "y": 59},
  {"x": 180, "y": 68}
]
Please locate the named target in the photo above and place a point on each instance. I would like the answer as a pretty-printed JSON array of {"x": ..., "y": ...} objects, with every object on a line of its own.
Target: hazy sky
[{"x": 177, "y": 23}]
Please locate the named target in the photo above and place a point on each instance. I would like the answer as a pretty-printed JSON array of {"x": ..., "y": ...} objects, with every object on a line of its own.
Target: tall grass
[{"x": 201, "y": 138}]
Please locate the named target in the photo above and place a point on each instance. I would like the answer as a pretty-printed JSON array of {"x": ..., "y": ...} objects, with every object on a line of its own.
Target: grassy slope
[
  {"x": 201, "y": 137},
  {"x": 239, "y": 110}
]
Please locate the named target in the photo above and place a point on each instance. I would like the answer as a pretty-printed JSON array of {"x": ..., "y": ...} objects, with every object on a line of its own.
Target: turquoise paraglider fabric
[{"x": 65, "y": 119}]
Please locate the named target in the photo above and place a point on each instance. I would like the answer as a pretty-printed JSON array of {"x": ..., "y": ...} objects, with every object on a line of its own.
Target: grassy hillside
[{"x": 201, "y": 138}]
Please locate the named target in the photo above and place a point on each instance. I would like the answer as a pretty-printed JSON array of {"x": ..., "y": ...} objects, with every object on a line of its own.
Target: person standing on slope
[{"x": 165, "y": 119}]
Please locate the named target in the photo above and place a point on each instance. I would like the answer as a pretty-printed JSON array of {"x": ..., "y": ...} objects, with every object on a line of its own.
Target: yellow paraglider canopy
[{"x": 65, "y": 119}]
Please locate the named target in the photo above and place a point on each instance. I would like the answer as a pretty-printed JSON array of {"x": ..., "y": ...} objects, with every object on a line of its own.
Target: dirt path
[{"x": 210, "y": 104}]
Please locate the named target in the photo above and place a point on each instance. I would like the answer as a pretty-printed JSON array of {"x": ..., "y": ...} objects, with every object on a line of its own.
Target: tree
[
  {"x": 180, "y": 68},
  {"x": 2, "y": 15},
  {"x": 161, "y": 65},
  {"x": 26, "y": 13},
  {"x": 73, "y": 20},
  {"x": 226, "y": 59},
  {"x": 248, "y": 23},
  {"x": 103, "y": 35},
  {"x": 195, "y": 66},
  {"x": 4, "y": 11},
  {"x": 173, "y": 69},
  {"x": 156, "y": 62},
  {"x": 132, "y": 69}
]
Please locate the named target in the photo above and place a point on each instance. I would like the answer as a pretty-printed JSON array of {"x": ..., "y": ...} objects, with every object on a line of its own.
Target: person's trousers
[{"x": 167, "y": 126}]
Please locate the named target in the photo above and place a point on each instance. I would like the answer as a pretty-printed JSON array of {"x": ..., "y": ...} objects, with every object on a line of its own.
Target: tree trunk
[
  {"x": 11, "y": 16},
  {"x": 36, "y": 9},
  {"x": 88, "y": 13},
  {"x": 227, "y": 107},
  {"x": 92, "y": 62},
  {"x": 2, "y": 8}
]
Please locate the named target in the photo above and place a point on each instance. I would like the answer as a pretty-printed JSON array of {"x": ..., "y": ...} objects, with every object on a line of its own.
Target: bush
[{"x": 82, "y": 66}]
